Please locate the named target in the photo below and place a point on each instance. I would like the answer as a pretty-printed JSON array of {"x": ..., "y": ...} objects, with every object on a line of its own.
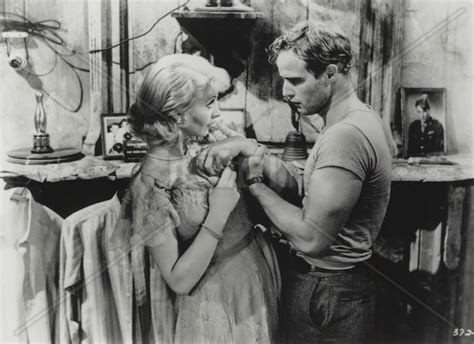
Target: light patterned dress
[{"x": 236, "y": 299}]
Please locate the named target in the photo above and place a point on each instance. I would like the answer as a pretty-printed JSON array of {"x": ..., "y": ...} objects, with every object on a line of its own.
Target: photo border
[
  {"x": 405, "y": 118},
  {"x": 103, "y": 132}
]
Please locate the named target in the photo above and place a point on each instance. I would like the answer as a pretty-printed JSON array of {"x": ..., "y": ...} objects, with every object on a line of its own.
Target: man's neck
[{"x": 341, "y": 104}]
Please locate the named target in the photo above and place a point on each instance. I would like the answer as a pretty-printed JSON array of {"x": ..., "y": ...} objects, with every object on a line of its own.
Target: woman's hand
[
  {"x": 224, "y": 196},
  {"x": 220, "y": 154}
]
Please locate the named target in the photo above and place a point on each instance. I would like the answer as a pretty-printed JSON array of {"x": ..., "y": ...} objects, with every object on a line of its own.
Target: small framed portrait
[
  {"x": 423, "y": 112},
  {"x": 115, "y": 131}
]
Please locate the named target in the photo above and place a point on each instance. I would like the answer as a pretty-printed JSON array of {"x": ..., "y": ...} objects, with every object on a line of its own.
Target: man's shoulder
[
  {"x": 435, "y": 123},
  {"x": 342, "y": 131},
  {"x": 364, "y": 121}
]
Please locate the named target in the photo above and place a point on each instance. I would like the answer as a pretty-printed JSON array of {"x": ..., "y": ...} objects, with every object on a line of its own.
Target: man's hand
[
  {"x": 220, "y": 154},
  {"x": 253, "y": 166}
]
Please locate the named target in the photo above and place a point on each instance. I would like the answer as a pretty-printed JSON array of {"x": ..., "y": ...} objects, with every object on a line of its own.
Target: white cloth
[
  {"x": 29, "y": 257},
  {"x": 88, "y": 313}
]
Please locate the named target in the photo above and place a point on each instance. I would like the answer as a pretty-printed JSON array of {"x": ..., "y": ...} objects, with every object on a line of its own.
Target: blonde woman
[{"x": 198, "y": 233}]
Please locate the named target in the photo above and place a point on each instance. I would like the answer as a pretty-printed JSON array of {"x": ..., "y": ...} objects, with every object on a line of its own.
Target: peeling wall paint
[{"x": 443, "y": 57}]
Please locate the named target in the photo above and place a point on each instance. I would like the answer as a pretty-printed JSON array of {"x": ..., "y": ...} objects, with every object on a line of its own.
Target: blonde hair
[{"x": 169, "y": 90}]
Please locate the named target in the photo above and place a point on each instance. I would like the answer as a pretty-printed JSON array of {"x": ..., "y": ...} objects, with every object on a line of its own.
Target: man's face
[
  {"x": 309, "y": 94},
  {"x": 421, "y": 113}
]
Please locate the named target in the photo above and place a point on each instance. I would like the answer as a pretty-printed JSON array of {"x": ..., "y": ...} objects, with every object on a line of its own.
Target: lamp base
[
  {"x": 26, "y": 157},
  {"x": 41, "y": 144}
]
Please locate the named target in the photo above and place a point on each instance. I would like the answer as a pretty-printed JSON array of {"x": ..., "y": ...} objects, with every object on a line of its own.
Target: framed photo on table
[
  {"x": 423, "y": 114},
  {"x": 114, "y": 131}
]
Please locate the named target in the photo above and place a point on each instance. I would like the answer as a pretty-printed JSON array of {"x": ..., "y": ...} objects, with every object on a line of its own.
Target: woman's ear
[{"x": 180, "y": 119}]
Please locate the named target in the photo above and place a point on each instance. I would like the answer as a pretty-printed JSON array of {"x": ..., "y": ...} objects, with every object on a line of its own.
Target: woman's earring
[{"x": 179, "y": 121}]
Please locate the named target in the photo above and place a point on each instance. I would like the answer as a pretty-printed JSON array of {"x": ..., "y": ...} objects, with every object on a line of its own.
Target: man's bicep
[{"x": 333, "y": 192}]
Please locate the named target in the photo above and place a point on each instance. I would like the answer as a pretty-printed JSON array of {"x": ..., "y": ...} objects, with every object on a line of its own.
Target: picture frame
[
  {"x": 423, "y": 117},
  {"x": 114, "y": 130}
]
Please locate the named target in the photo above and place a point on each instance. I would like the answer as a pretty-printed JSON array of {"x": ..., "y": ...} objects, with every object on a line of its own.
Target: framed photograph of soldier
[
  {"x": 423, "y": 112},
  {"x": 117, "y": 140}
]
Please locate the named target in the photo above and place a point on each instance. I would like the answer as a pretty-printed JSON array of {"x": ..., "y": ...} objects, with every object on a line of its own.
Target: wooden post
[
  {"x": 380, "y": 55},
  {"x": 100, "y": 96}
]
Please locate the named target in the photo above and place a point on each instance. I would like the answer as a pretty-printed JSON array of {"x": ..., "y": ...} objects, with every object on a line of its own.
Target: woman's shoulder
[
  {"x": 161, "y": 173},
  {"x": 167, "y": 178}
]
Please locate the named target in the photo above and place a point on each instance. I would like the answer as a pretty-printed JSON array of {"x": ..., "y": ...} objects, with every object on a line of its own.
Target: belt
[{"x": 301, "y": 266}]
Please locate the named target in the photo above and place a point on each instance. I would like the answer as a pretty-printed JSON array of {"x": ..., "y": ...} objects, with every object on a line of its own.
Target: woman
[{"x": 199, "y": 235}]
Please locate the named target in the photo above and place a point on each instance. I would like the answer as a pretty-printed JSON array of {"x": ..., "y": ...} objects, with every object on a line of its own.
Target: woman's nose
[{"x": 215, "y": 112}]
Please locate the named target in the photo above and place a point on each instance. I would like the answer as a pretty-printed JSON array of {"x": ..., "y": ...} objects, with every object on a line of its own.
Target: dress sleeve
[{"x": 153, "y": 215}]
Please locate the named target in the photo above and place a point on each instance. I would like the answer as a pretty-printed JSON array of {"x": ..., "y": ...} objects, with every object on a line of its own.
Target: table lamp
[{"x": 42, "y": 153}]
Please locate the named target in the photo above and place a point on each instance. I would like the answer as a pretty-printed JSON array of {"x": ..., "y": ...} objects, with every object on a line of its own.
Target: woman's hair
[
  {"x": 424, "y": 102},
  {"x": 169, "y": 90},
  {"x": 318, "y": 45}
]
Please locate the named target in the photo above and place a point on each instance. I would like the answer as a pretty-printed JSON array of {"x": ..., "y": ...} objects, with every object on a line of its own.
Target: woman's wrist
[
  {"x": 215, "y": 221},
  {"x": 249, "y": 147}
]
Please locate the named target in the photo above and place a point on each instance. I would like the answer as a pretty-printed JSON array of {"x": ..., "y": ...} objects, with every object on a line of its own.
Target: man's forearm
[
  {"x": 280, "y": 180},
  {"x": 289, "y": 220}
]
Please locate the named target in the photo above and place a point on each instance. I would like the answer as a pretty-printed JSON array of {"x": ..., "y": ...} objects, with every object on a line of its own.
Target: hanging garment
[
  {"x": 29, "y": 259},
  {"x": 152, "y": 310},
  {"x": 88, "y": 313}
]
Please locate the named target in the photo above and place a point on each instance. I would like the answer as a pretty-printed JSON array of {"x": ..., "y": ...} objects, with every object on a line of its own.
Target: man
[
  {"x": 328, "y": 293},
  {"x": 426, "y": 134}
]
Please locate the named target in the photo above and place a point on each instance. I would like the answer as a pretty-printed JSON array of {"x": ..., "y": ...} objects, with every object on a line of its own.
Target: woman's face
[{"x": 202, "y": 114}]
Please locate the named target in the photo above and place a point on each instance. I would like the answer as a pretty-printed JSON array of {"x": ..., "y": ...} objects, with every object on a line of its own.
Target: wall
[
  {"x": 258, "y": 88},
  {"x": 442, "y": 60},
  {"x": 443, "y": 57},
  {"x": 17, "y": 90}
]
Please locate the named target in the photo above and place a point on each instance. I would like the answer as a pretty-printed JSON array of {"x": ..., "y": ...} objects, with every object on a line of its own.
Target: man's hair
[
  {"x": 423, "y": 101},
  {"x": 318, "y": 45}
]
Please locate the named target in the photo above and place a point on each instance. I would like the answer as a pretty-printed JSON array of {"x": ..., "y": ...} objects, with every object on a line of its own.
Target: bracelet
[{"x": 212, "y": 232}]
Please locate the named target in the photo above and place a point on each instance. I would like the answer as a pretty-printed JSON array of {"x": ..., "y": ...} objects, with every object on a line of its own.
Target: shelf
[
  {"x": 218, "y": 14},
  {"x": 96, "y": 167}
]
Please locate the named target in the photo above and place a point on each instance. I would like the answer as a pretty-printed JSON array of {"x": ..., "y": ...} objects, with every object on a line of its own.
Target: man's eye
[{"x": 295, "y": 82}]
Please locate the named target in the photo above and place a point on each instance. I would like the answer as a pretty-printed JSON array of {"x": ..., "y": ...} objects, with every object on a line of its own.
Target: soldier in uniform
[{"x": 425, "y": 135}]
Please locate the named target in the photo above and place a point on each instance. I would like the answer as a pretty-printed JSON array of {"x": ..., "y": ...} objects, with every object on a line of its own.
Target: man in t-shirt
[{"x": 328, "y": 292}]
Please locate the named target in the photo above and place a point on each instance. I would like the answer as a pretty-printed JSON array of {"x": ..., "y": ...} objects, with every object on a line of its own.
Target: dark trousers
[{"x": 328, "y": 307}]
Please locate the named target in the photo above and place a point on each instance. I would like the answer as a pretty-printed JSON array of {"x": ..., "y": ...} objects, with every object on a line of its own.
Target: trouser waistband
[{"x": 298, "y": 264}]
